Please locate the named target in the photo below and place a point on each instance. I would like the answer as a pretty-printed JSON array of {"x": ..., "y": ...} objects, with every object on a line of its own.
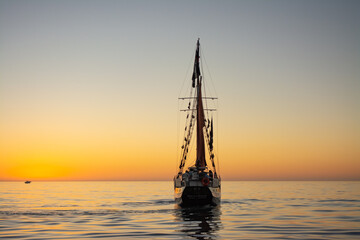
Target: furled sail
[
  {"x": 200, "y": 120},
  {"x": 200, "y": 124},
  {"x": 196, "y": 73}
]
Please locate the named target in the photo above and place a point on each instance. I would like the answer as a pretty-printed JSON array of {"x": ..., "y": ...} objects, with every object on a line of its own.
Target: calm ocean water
[{"x": 128, "y": 210}]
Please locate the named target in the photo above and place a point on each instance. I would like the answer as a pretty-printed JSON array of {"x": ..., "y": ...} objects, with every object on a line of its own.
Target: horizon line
[{"x": 227, "y": 180}]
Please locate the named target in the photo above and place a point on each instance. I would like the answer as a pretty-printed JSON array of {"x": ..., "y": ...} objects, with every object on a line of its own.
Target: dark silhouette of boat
[
  {"x": 199, "y": 183},
  {"x": 27, "y": 182}
]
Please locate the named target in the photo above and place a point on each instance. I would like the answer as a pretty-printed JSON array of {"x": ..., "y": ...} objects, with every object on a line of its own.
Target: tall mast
[{"x": 200, "y": 120}]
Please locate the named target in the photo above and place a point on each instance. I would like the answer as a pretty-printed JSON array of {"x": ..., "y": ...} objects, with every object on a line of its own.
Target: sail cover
[
  {"x": 200, "y": 124},
  {"x": 196, "y": 72},
  {"x": 211, "y": 141}
]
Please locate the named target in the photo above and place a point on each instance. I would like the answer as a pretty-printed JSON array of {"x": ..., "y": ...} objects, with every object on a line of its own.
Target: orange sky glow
[{"x": 90, "y": 91}]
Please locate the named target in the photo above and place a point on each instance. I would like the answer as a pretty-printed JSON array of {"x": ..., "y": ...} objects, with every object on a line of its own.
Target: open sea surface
[{"x": 128, "y": 210}]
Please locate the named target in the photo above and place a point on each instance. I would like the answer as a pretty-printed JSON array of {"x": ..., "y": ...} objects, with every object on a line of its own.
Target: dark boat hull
[{"x": 197, "y": 196}]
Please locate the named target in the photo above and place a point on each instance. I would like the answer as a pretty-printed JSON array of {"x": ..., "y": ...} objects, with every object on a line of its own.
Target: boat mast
[{"x": 200, "y": 120}]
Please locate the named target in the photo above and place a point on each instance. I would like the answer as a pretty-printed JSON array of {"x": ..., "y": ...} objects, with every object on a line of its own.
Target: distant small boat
[{"x": 27, "y": 182}]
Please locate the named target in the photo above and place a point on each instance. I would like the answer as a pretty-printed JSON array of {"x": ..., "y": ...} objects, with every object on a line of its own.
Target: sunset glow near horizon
[{"x": 88, "y": 89}]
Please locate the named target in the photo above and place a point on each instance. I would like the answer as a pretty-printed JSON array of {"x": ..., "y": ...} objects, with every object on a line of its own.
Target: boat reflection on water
[{"x": 199, "y": 223}]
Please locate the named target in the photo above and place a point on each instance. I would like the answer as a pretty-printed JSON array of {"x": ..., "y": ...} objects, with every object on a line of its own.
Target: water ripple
[{"x": 263, "y": 210}]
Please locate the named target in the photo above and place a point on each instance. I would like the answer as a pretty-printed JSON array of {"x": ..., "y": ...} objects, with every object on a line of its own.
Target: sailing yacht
[{"x": 197, "y": 181}]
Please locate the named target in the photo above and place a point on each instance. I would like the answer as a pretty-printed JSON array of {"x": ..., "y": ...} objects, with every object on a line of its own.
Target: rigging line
[
  {"x": 206, "y": 109},
  {"x": 206, "y": 135},
  {"x": 186, "y": 134},
  {"x": 208, "y": 145},
  {"x": 186, "y": 75},
  {"x": 206, "y": 102},
  {"x": 207, "y": 112},
  {"x": 177, "y": 137},
  {"x": 205, "y": 85},
  {"x": 183, "y": 98},
  {"x": 191, "y": 146},
  {"x": 202, "y": 77},
  {"x": 188, "y": 140},
  {"x": 191, "y": 129},
  {"x": 181, "y": 157},
  {"x": 183, "y": 145},
  {"x": 188, "y": 69},
  {"x": 208, "y": 69},
  {"x": 192, "y": 121},
  {"x": 217, "y": 143}
]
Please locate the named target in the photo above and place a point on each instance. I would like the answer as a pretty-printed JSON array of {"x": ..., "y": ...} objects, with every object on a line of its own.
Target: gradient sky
[{"x": 88, "y": 89}]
